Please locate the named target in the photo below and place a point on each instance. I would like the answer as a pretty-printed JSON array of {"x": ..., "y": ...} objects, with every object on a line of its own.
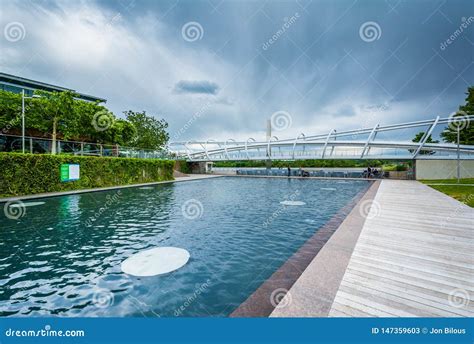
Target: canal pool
[{"x": 63, "y": 257}]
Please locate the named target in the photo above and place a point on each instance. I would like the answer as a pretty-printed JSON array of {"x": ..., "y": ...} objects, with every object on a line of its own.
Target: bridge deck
[{"x": 414, "y": 257}]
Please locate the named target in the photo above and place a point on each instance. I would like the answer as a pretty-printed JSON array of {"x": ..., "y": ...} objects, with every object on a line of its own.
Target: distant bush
[
  {"x": 401, "y": 167},
  {"x": 23, "y": 174},
  {"x": 302, "y": 163},
  {"x": 182, "y": 166}
]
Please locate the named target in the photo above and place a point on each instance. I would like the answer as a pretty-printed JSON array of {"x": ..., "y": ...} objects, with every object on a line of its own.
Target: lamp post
[
  {"x": 23, "y": 120},
  {"x": 23, "y": 117},
  {"x": 268, "y": 162},
  {"x": 459, "y": 162}
]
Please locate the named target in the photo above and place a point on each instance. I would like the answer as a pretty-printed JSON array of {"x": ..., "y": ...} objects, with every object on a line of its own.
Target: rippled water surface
[{"x": 62, "y": 258}]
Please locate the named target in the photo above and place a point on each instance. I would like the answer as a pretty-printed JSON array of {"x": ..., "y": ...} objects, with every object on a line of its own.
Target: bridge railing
[{"x": 332, "y": 145}]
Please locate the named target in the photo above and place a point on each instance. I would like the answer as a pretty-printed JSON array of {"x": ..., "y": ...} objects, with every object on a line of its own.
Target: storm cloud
[
  {"x": 342, "y": 64},
  {"x": 196, "y": 87}
]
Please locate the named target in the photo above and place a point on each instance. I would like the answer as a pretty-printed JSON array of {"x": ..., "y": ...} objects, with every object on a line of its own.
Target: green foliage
[
  {"x": 466, "y": 128},
  {"x": 57, "y": 111},
  {"x": 463, "y": 193},
  {"x": 72, "y": 119},
  {"x": 23, "y": 174},
  {"x": 302, "y": 163},
  {"x": 182, "y": 166},
  {"x": 418, "y": 137},
  {"x": 10, "y": 111},
  {"x": 151, "y": 132},
  {"x": 396, "y": 167},
  {"x": 401, "y": 167}
]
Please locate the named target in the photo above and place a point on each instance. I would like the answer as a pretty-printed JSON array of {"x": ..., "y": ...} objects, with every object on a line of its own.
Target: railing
[
  {"x": 38, "y": 145},
  {"x": 334, "y": 145}
]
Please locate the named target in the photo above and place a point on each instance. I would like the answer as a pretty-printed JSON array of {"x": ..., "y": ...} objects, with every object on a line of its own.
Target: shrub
[
  {"x": 22, "y": 174},
  {"x": 182, "y": 166},
  {"x": 401, "y": 167}
]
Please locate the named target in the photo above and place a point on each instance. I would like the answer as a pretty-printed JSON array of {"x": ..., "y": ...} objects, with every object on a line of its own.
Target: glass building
[{"x": 16, "y": 84}]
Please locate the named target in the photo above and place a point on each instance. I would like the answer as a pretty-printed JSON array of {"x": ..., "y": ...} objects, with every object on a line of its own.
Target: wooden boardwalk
[{"x": 414, "y": 257}]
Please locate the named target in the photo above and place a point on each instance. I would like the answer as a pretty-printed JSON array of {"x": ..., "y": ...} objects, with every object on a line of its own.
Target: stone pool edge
[
  {"x": 260, "y": 303},
  {"x": 74, "y": 192},
  {"x": 297, "y": 177}
]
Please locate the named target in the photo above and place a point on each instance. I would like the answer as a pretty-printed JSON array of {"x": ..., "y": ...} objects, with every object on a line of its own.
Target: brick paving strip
[{"x": 259, "y": 304}]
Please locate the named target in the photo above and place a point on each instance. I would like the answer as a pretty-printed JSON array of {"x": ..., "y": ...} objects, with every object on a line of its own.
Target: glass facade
[
  {"x": 15, "y": 89},
  {"x": 15, "y": 84}
]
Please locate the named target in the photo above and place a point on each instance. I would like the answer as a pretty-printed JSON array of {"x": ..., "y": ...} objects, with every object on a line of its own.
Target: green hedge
[
  {"x": 24, "y": 174},
  {"x": 182, "y": 166}
]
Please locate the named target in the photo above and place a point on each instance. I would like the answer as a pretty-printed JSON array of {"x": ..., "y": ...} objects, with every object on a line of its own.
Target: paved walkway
[{"x": 414, "y": 257}]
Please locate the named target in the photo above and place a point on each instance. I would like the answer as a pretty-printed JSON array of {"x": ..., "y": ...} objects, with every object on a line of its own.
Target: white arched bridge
[{"x": 378, "y": 142}]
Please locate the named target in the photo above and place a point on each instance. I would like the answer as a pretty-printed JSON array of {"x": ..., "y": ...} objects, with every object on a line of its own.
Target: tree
[
  {"x": 121, "y": 132},
  {"x": 460, "y": 119},
  {"x": 62, "y": 116},
  {"x": 93, "y": 123},
  {"x": 10, "y": 111},
  {"x": 150, "y": 132},
  {"x": 418, "y": 138},
  {"x": 58, "y": 111}
]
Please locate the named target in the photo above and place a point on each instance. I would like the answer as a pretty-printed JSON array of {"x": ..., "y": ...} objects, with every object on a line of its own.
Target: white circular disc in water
[
  {"x": 155, "y": 261},
  {"x": 27, "y": 204},
  {"x": 292, "y": 203},
  {"x": 328, "y": 189}
]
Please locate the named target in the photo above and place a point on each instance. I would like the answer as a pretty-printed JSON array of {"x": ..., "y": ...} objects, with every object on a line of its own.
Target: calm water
[{"x": 63, "y": 258}]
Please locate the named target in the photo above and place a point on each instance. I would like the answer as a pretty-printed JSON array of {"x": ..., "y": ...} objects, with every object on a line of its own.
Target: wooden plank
[
  {"x": 414, "y": 293},
  {"x": 411, "y": 257},
  {"x": 454, "y": 259}
]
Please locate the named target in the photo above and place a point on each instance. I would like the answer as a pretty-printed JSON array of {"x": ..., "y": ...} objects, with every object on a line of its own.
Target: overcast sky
[{"x": 219, "y": 69}]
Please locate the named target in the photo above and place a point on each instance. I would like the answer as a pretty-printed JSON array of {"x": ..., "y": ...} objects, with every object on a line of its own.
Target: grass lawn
[
  {"x": 463, "y": 193},
  {"x": 448, "y": 181}
]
